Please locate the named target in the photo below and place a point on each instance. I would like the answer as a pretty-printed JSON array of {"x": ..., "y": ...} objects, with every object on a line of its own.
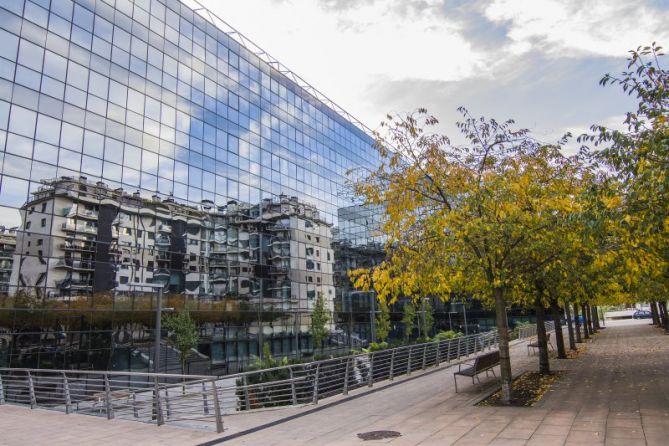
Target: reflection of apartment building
[
  {"x": 276, "y": 252},
  {"x": 7, "y": 247},
  {"x": 80, "y": 237}
]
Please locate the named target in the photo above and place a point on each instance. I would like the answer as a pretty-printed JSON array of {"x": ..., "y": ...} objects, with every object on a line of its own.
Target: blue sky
[{"x": 536, "y": 61}]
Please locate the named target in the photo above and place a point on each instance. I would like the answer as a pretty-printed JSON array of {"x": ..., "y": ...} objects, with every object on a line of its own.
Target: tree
[
  {"x": 408, "y": 318},
  {"x": 637, "y": 160},
  {"x": 319, "y": 320},
  {"x": 383, "y": 321},
  {"x": 459, "y": 218},
  {"x": 183, "y": 334}
]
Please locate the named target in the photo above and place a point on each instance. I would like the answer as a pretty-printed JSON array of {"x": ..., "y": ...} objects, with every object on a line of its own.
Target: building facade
[{"x": 145, "y": 144}]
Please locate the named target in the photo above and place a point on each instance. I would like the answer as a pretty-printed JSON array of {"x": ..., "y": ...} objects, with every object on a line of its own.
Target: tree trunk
[
  {"x": 595, "y": 318},
  {"x": 660, "y": 315},
  {"x": 504, "y": 357},
  {"x": 570, "y": 327},
  {"x": 559, "y": 339},
  {"x": 578, "y": 324},
  {"x": 663, "y": 305},
  {"x": 653, "y": 313},
  {"x": 586, "y": 332},
  {"x": 590, "y": 324},
  {"x": 544, "y": 366}
]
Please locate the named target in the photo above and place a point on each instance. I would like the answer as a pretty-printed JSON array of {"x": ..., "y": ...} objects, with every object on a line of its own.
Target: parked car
[{"x": 642, "y": 314}]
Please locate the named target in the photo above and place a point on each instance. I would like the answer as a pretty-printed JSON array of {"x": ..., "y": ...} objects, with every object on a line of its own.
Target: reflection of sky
[{"x": 179, "y": 149}]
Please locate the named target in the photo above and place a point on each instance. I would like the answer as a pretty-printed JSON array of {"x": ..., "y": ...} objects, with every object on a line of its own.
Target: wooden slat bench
[
  {"x": 480, "y": 364},
  {"x": 535, "y": 344}
]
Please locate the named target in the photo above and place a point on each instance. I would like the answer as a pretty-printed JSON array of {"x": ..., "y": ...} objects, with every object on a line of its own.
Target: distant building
[{"x": 7, "y": 248}]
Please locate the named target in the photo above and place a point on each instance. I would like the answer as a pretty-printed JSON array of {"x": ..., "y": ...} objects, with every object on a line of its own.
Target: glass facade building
[{"x": 143, "y": 144}]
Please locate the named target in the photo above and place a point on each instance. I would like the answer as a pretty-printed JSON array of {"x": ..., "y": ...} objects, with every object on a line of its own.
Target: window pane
[{"x": 22, "y": 121}]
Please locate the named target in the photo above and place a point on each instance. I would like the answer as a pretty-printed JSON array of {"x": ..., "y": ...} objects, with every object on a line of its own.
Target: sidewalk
[{"x": 617, "y": 392}]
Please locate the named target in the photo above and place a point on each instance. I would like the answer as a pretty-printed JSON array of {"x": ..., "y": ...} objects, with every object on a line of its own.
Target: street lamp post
[{"x": 159, "y": 311}]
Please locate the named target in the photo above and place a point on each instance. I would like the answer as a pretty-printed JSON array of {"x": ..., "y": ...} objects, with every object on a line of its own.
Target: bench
[
  {"x": 483, "y": 363},
  {"x": 535, "y": 344}
]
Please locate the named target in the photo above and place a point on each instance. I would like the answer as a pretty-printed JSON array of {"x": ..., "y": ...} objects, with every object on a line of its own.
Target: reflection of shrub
[
  {"x": 375, "y": 346},
  {"x": 516, "y": 330},
  {"x": 264, "y": 395},
  {"x": 448, "y": 334}
]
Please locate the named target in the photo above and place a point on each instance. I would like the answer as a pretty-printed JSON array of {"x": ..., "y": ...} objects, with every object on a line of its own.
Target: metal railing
[
  {"x": 201, "y": 401},
  {"x": 530, "y": 331}
]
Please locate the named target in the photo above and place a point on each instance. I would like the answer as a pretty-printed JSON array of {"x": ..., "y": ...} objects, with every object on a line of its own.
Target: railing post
[
  {"x": 438, "y": 356},
  {"x": 370, "y": 378},
  {"x": 217, "y": 408},
  {"x": 346, "y": 373},
  {"x": 391, "y": 373},
  {"x": 293, "y": 393},
  {"x": 108, "y": 401},
  {"x": 205, "y": 403},
  {"x": 318, "y": 370},
  {"x": 247, "y": 401},
  {"x": 2, "y": 391},
  {"x": 31, "y": 389},
  {"x": 135, "y": 411},
  {"x": 459, "y": 343},
  {"x": 168, "y": 408},
  {"x": 156, "y": 402},
  {"x": 425, "y": 356},
  {"x": 409, "y": 362},
  {"x": 66, "y": 394}
]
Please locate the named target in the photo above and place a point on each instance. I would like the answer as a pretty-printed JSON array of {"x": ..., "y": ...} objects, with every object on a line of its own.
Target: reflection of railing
[
  {"x": 531, "y": 330},
  {"x": 163, "y": 398},
  {"x": 78, "y": 247},
  {"x": 74, "y": 263},
  {"x": 71, "y": 227},
  {"x": 71, "y": 283}
]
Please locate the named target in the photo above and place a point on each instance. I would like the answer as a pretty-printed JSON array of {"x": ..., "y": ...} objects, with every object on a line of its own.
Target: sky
[{"x": 538, "y": 62}]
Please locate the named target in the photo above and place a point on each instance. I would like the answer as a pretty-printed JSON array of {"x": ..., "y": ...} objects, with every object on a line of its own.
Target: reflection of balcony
[
  {"x": 66, "y": 262},
  {"x": 82, "y": 213},
  {"x": 163, "y": 241},
  {"x": 219, "y": 248},
  {"x": 163, "y": 256},
  {"x": 218, "y": 277},
  {"x": 279, "y": 270},
  {"x": 165, "y": 228},
  {"x": 74, "y": 283},
  {"x": 278, "y": 227},
  {"x": 71, "y": 227},
  {"x": 161, "y": 273},
  {"x": 6, "y": 254},
  {"x": 78, "y": 247}
]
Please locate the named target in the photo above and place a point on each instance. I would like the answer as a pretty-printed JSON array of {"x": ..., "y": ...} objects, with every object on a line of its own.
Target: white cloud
[
  {"x": 574, "y": 27},
  {"x": 343, "y": 49}
]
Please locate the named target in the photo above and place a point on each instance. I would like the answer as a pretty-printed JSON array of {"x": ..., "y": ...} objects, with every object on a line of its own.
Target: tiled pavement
[{"x": 617, "y": 392}]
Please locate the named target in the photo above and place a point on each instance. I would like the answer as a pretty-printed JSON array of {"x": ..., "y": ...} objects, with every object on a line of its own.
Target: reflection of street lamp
[
  {"x": 159, "y": 310},
  {"x": 464, "y": 312}
]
